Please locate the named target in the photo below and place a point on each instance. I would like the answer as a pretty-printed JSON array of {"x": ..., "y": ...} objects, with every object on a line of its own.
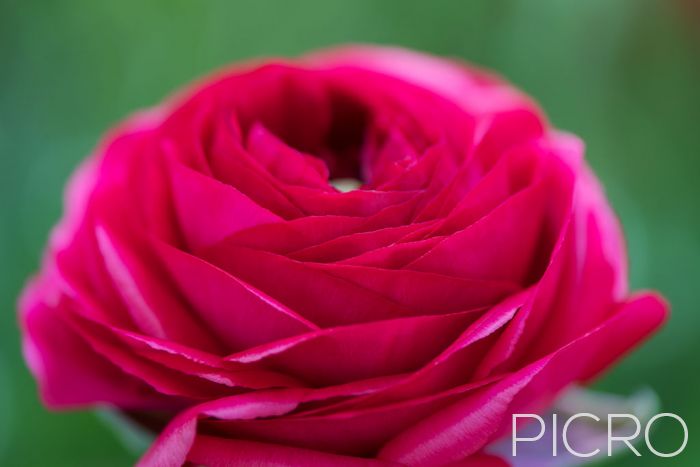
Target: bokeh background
[{"x": 623, "y": 74}]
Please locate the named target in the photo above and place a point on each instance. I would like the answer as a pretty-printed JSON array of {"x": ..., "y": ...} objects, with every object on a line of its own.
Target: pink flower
[{"x": 209, "y": 280}]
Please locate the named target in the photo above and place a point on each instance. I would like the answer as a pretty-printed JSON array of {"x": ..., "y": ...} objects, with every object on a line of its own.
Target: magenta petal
[
  {"x": 239, "y": 314},
  {"x": 347, "y": 246},
  {"x": 155, "y": 311},
  {"x": 286, "y": 163},
  {"x": 168, "y": 381},
  {"x": 68, "y": 370},
  {"x": 209, "y": 210},
  {"x": 475, "y": 90},
  {"x": 447, "y": 374},
  {"x": 486, "y": 249},
  {"x": 480, "y": 460},
  {"x": 577, "y": 290},
  {"x": 426, "y": 292},
  {"x": 465, "y": 201},
  {"x": 296, "y": 285},
  {"x": 340, "y": 355},
  {"x": 176, "y": 440},
  {"x": 466, "y": 427},
  {"x": 296, "y": 234},
  {"x": 267, "y": 416},
  {"x": 232, "y": 165},
  {"x": 220, "y": 452},
  {"x": 316, "y": 231},
  {"x": 359, "y": 432},
  {"x": 168, "y": 356},
  {"x": 392, "y": 160},
  {"x": 434, "y": 168},
  {"x": 353, "y": 203},
  {"x": 454, "y": 366},
  {"x": 395, "y": 256}
]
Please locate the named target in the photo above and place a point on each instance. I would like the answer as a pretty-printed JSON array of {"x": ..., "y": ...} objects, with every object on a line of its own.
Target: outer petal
[
  {"x": 467, "y": 426},
  {"x": 223, "y": 452},
  {"x": 475, "y": 90},
  {"x": 342, "y": 354},
  {"x": 68, "y": 371}
]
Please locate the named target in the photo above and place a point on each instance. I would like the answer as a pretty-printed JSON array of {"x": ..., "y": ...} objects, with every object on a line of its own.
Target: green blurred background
[{"x": 623, "y": 74}]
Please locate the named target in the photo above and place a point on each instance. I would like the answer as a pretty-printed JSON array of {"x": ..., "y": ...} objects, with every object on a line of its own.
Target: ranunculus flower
[{"x": 209, "y": 280}]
